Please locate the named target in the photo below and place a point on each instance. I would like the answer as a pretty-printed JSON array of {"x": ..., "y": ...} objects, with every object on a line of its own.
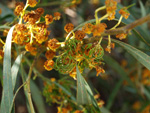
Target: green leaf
[
  {"x": 15, "y": 68},
  {"x": 94, "y": 102},
  {"x": 84, "y": 92},
  {"x": 7, "y": 96},
  {"x": 139, "y": 55},
  {"x": 83, "y": 96},
  {"x": 37, "y": 98}
]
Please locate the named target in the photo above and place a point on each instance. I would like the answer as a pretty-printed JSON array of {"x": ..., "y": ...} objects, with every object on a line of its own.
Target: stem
[
  {"x": 100, "y": 40},
  {"x": 96, "y": 13},
  {"x": 2, "y": 41},
  {"x": 28, "y": 85},
  {"x": 103, "y": 17},
  {"x": 127, "y": 28},
  {"x": 32, "y": 35},
  {"x": 109, "y": 40},
  {"x": 22, "y": 14},
  {"x": 120, "y": 19}
]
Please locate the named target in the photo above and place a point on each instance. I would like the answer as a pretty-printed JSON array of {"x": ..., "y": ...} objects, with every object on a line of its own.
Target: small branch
[
  {"x": 28, "y": 85},
  {"x": 124, "y": 29},
  {"x": 127, "y": 28}
]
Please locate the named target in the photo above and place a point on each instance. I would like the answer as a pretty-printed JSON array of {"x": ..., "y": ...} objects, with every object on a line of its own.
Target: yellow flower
[{"x": 111, "y": 7}]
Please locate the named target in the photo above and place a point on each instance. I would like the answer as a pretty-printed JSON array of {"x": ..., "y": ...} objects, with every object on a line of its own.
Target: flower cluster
[
  {"x": 55, "y": 94},
  {"x": 89, "y": 55},
  {"x": 33, "y": 34},
  {"x": 111, "y": 8}
]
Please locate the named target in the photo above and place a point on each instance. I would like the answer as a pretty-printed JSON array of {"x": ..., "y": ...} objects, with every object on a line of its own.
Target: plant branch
[
  {"x": 28, "y": 85},
  {"x": 124, "y": 29},
  {"x": 127, "y": 28}
]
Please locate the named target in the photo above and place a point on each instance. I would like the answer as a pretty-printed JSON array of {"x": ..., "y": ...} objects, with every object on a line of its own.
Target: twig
[
  {"x": 124, "y": 29},
  {"x": 127, "y": 28},
  {"x": 28, "y": 85}
]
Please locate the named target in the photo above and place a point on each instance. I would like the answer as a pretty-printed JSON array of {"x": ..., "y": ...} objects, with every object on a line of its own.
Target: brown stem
[
  {"x": 127, "y": 28},
  {"x": 28, "y": 85},
  {"x": 124, "y": 29}
]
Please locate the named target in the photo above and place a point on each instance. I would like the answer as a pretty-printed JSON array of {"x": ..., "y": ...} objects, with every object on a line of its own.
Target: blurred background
[{"x": 125, "y": 85}]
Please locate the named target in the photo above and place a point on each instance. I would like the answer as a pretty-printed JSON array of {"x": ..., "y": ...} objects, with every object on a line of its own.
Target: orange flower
[
  {"x": 124, "y": 13},
  {"x": 111, "y": 8},
  {"x": 79, "y": 35},
  {"x": 42, "y": 35},
  {"x": 108, "y": 49},
  {"x": 32, "y": 17},
  {"x": 1, "y": 54},
  {"x": 69, "y": 27},
  {"x": 121, "y": 36},
  {"x": 49, "y": 65},
  {"x": 57, "y": 16},
  {"x": 18, "y": 10},
  {"x": 53, "y": 79},
  {"x": 40, "y": 11},
  {"x": 101, "y": 103},
  {"x": 19, "y": 34},
  {"x": 112, "y": 45},
  {"x": 87, "y": 28},
  {"x": 32, "y": 3},
  {"x": 48, "y": 19},
  {"x": 50, "y": 54},
  {"x": 99, "y": 70},
  {"x": 98, "y": 29},
  {"x": 52, "y": 44},
  {"x": 146, "y": 77},
  {"x": 62, "y": 110},
  {"x": 136, "y": 105},
  {"x": 18, "y": 38},
  {"x": 5, "y": 32},
  {"x": 20, "y": 28},
  {"x": 31, "y": 49},
  {"x": 147, "y": 109}
]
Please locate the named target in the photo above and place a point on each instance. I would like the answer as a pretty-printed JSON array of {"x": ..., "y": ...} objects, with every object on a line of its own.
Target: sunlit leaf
[{"x": 7, "y": 96}]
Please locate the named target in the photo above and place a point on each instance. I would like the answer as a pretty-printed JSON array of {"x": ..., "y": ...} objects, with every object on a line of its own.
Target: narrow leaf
[
  {"x": 37, "y": 98},
  {"x": 94, "y": 102},
  {"x": 82, "y": 94},
  {"x": 139, "y": 55},
  {"x": 7, "y": 96},
  {"x": 15, "y": 69}
]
